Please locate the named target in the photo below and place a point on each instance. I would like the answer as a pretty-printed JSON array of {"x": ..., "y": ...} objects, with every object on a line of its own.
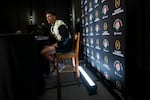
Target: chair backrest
[{"x": 77, "y": 38}]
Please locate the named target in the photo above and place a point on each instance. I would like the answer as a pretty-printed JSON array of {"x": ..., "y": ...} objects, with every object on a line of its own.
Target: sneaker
[
  {"x": 52, "y": 68},
  {"x": 61, "y": 66},
  {"x": 54, "y": 73}
]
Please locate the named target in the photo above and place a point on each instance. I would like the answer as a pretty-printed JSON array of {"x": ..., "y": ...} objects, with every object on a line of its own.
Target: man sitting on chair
[{"x": 62, "y": 39}]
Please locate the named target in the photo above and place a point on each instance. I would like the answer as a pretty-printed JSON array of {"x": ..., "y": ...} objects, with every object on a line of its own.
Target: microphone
[
  {"x": 38, "y": 28},
  {"x": 42, "y": 24}
]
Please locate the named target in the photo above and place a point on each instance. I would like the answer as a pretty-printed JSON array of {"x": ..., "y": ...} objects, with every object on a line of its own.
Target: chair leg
[
  {"x": 77, "y": 67},
  {"x": 77, "y": 70},
  {"x": 73, "y": 61},
  {"x": 58, "y": 82}
]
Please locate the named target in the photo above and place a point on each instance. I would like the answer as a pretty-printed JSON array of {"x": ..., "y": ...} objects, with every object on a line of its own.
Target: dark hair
[{"x": 51, "y": 12}]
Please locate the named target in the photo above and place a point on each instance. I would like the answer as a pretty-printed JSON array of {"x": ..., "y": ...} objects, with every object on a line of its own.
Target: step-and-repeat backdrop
[{"x": 103, "y": 38}]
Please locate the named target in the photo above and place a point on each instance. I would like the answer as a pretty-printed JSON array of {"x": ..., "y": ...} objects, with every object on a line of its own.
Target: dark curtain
[{"x": 20, "y": 75}]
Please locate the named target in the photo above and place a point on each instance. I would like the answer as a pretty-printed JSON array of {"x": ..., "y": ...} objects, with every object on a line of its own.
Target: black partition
[
  {"x": 20, "y": 73},
  {"x": 104, "y": 31}
]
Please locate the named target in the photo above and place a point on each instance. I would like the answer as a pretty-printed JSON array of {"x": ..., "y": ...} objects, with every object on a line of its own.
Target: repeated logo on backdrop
[{"x": 103, "y": 24}]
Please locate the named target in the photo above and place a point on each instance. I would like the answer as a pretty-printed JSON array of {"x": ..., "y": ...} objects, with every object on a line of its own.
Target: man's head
[{"x": 50, "y": 17}]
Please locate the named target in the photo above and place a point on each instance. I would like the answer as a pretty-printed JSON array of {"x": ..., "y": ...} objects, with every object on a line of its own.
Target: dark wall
[
  {"x": 15, "y": 14},
  {"x": 138, "y": 55}
]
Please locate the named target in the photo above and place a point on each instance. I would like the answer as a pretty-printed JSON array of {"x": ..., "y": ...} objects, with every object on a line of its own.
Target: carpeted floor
[{"x": 70, "y": 89}]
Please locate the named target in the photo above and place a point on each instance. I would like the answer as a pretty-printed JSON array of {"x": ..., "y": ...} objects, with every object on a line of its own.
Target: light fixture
[
  {"x": 86, "y": 76},
  {"x": 89, "y": 83}
]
